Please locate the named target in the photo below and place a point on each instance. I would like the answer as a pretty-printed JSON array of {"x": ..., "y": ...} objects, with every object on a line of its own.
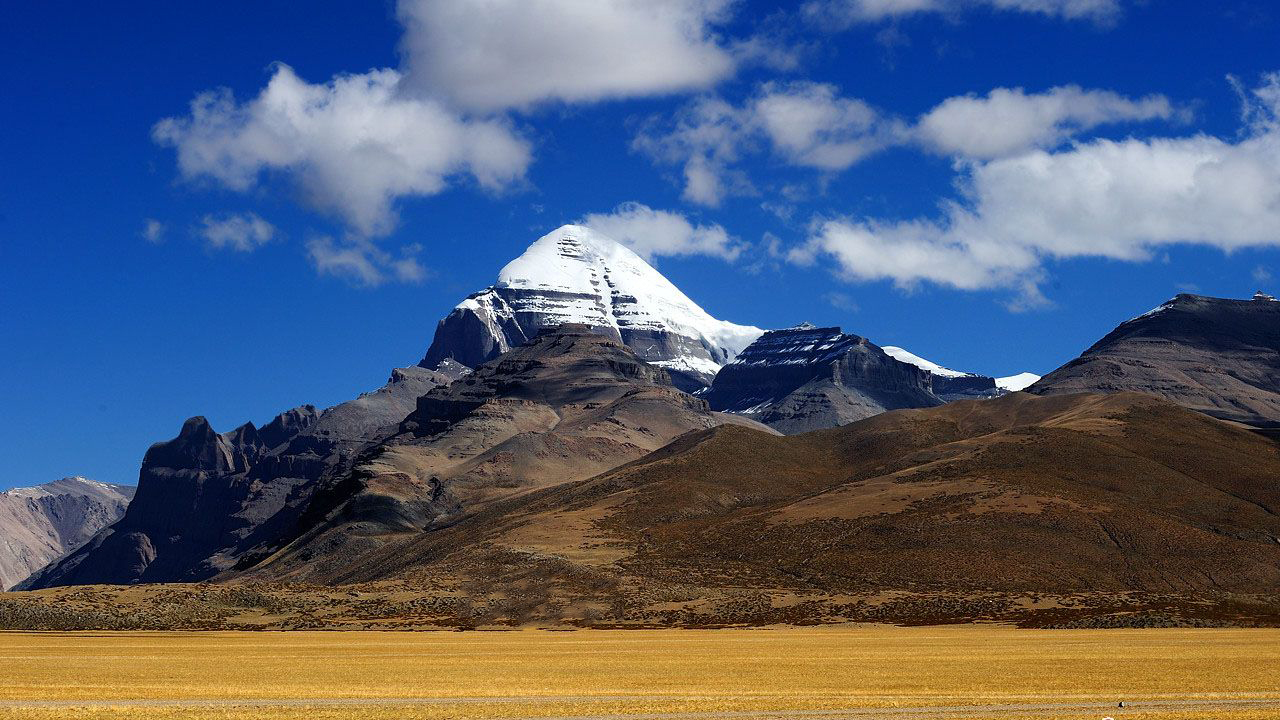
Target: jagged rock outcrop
[
  {"x": 205, "y": 499},
  {"x": 807, "y": 378},
  {"x": 1215, "y": 355},
  {"x": 41, "y": 524},
  {"x": 577, "y": 275},
  {"x": 570, "y": 404}
]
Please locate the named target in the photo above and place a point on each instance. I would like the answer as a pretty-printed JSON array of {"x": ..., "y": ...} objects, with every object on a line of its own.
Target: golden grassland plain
[{"x": 772, "y": 672}]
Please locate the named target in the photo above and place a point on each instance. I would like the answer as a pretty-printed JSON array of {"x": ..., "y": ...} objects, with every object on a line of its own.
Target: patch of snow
[
  {"x": 1154, "y": 311},
  {"x": 688, "y": 363},
  {"x": 910, "y": 358},
  {"x": 1014, "y": 383}
]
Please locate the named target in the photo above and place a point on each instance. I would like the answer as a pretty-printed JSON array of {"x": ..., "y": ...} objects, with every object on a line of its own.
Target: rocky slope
[
  {"x": 41, "y": 524},
  {"x": 808, "y": 378},
  {"x": 1094, "y": 494},
  {"x": 206, "y": 499},
  {"x": 577, "y": 275},
  {"x": 1215, "y": 355},
  {"x": 570, "y": 404}
]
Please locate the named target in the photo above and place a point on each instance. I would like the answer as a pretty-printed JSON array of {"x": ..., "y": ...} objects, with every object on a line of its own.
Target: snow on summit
[
  {"x": 575, "y": 274},
  {"x": 911, "y": 358},
  {"x": 623, "y": 290}
]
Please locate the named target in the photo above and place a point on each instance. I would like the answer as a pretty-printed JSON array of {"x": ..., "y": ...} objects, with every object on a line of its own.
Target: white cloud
[
  {"x": 1009, "y": 121},
  {"x": 652, "y": 233},
  {"x": 354, "y": 145},
  {"x": 849, "y": 12},
  {"x": 706, "y": 136},
  {"x": 810, "y": 125},
  {"x": 244, "y": 233},
  {"x": 1119, "y": 200},
  {"x": 153, "y": 231},
  {"x": 803, "y": 124},
  {"x": 362, "y": 263},
  {"x": 496, "y": 54}
]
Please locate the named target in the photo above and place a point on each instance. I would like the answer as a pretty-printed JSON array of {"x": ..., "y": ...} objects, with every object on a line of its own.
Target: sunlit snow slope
[{"x": 577, "y": 275}]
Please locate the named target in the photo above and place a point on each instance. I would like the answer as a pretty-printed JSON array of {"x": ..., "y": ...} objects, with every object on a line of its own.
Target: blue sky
[{"x": 993, "y": 184}]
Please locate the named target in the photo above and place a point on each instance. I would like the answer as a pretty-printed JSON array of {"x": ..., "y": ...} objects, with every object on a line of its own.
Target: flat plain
[{"x": 855, "y": 671}]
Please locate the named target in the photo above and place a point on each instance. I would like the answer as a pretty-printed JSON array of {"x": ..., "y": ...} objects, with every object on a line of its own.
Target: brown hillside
[{"x": 1093, "y": 494}]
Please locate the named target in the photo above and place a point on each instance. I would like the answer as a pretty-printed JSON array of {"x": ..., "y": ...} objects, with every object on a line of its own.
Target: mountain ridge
[
  {"x": 42, "y": 523},
  {"x": 1219, "y": 356}
]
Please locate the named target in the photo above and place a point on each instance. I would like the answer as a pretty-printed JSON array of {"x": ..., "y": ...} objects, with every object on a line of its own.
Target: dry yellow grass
[{"x": 827, "y": 672}]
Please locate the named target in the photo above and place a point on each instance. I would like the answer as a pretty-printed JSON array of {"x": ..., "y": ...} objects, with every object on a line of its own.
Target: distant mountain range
[
  {"x": 571, "y": 420},
  {"x": 43, "y": 523}
]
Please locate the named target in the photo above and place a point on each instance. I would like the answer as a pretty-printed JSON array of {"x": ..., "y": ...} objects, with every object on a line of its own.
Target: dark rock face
[
  {"x": 575, "y": 275},
  {"x": 206, "y": 500},
  {"x": 565, "y": 365},
  {"x": 808, "y": 378},
  {"x": 965, "y": 387},
  {"x": 41, "y": 524},
  {"x": 1218, "y": 356}
]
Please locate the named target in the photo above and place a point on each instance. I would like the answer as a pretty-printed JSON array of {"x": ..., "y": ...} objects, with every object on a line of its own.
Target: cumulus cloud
[
  {"x": 362, "y": 263},
  {"x": 706, "y": 136},
  {"x": 244, "y": 232},
  {"x": 1121, "y": 200},
  {"x": 354, "y": 145},
  {"x": 850, "y": 12},
  {"x": 1009, "y": 121},
  {"x": 652, "y": 233},
  {"x": 494, "y": 54},
  {"x": 810, "y": 125},
  {"x": 803, "y": 124}
]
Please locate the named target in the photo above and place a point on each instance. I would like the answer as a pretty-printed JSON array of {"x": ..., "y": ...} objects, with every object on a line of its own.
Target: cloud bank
[
  {"x": 810, "y": 125},
  {"x": 1120, "y": 200}
]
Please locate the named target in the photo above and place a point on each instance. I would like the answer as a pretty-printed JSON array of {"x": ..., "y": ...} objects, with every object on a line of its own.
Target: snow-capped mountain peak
[
  {"x": 577, "y": 275},
  {"x": 630, "y": 292}
]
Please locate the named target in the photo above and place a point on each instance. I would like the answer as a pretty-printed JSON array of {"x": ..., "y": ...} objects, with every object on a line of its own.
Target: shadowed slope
[
  {"x": 569, "y": 405},
  {"x": 1215, "y": 355}
]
